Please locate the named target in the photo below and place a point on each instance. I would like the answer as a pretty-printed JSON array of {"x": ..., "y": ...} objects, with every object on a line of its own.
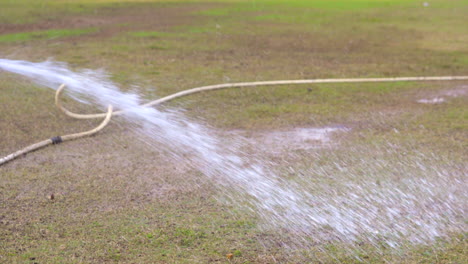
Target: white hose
[
  {"x": 249, "y": 84},
  {"x": 59, "y": 139},
  {"x": 109, "y": 113}
]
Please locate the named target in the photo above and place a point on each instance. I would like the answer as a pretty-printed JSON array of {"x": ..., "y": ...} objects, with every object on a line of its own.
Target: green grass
[
  {"x": 148, "y": 34},
  {"x": 338, "y": 4},
  {"x": 118, "y": 200},
  {"x": 45, "y": 34},
  {"x": 30, "y": 11}
]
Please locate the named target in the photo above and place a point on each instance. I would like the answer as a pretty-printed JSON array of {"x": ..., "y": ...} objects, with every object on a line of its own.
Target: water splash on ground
[{"x": 375, "y": 195}]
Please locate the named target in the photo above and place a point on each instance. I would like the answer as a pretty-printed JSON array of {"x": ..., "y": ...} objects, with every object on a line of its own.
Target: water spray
[
  {"x": 426, "y": 203},
  {"x": 254, "y": 84},
  {"x": 107, "y": 116}
]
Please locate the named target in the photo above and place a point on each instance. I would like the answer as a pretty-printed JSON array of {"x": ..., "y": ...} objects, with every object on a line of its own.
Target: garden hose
[
  {"x": 250, "y": 84},
  {"x": 107, "y": 116},
  {"x": 59, "y": 139}
]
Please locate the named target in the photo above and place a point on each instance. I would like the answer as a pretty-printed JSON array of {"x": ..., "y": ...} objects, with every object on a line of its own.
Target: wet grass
[{"x": 118, "y": 201}]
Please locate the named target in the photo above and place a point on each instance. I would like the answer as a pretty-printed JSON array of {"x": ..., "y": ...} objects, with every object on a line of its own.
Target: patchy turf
[
  {"x": 116, "y": 200},
  {"x": 46, "y": 34}
]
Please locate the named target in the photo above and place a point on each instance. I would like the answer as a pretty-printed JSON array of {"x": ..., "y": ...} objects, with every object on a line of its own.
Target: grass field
[{"x": 119, "y": 200}]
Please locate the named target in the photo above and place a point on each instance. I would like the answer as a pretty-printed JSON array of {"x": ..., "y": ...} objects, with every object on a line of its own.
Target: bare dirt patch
[{"x": 112, "y": 20}]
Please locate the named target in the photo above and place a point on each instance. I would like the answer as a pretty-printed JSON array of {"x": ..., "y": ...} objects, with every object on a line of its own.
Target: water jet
[{"x": 346, "y": 211}]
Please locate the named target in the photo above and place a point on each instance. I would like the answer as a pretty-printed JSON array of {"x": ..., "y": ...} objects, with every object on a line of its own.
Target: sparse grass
[
  {"x": 119, "y": 201},
  {"x": 46, "y": 34},
  {"x": 146, "y": 34}
]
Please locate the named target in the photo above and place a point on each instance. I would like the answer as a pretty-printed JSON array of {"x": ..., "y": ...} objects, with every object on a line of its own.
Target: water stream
[{"x": 348, "y": 199}]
